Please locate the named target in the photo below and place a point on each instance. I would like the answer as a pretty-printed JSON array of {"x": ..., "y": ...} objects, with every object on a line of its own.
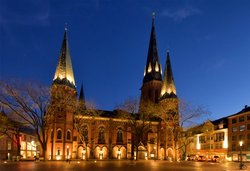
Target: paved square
[{"x": 118, "y": 166}]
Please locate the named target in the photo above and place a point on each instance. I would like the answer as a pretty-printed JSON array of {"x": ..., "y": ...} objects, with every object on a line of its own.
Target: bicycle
[{"x": 243, "y": 166}]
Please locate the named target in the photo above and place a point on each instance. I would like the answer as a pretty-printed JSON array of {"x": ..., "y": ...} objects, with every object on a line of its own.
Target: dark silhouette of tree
[
  {"x": 139, "y": 121},
  {"x": 83, "y": 119},
  {"x": 28, "y": 103},
  {"x": 178, "y": 120}
]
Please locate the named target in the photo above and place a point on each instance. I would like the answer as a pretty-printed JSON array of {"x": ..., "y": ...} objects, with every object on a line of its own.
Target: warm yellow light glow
[
  {"x": 70, "y": 79},
  {"x": 198, "y": 145},
  {"x": 100, "y": 154},
  {"x": 119, "y": 154},
  {"x": 156, "y": 67},
  {"x": 169, "y": 91},
  {"x": 149, "y": 68},
  {"x": 58, "y": 157},
  {"x": 225, "y": 142},
  {"x": 241, "y": 143},
  {"x": 134, "y": 155},
  {"x": 163, "y": 90},
  {"x": 144, "y": 71}
]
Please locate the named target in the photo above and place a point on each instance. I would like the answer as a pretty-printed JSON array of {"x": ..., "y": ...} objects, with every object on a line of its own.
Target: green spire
[{"x": 64, "y": 72}]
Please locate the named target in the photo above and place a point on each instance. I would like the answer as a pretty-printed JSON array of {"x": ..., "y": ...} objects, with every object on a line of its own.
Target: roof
[
  {"x": 153, "y": 68},
  {"x": 217, "y": 122},
  {"x": 244, "y": 110},
  {"x": 64, "y": 71},
  {"x": 168, "y": 89}
]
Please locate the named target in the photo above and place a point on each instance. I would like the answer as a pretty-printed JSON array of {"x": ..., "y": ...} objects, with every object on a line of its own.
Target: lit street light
[{"x": 242, "y": 166}]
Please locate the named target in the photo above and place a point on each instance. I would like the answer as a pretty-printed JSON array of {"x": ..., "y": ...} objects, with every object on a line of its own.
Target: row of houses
[{"x": 220, "y": 139}]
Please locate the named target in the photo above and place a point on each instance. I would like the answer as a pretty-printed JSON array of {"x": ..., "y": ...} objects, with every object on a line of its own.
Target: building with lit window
[
  {"x": 239, "y": 130},
  {"x": 209, "y": 140},
  {"x": 224, "y": 138},
  {"x": 12, "y": 137},
  {"x": 29, "y": 144},
  {"x": 107, "y": 136}
]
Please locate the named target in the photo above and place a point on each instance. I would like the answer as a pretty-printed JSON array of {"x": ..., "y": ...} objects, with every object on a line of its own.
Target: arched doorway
[
  {"x": 170, "y": 154},
  {"x": 162, "y": 154},
  {"x": 101, "y": 153},
  {"x": 83, "y": 153},
  {"x": 119, "y": 152},
  {"x": 142, "y": 152}
]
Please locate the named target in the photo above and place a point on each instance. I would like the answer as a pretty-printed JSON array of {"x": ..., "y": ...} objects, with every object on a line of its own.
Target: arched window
[
  {"x": 119, "y": 138},
  {"x": 59, "y": 134},
  {"x": 84, "y": 135},
  {"x": 68, "y": 137},
  {"x": 101, "y": 136},
  {"x": 85, "y": 132}
]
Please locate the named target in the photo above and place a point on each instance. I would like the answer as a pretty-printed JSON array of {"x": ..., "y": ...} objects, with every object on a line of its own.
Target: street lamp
[{"x": 241, "y": 163}]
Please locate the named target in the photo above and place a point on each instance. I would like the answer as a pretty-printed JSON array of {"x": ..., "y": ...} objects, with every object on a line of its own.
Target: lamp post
[{"x": 241, "y": 164}]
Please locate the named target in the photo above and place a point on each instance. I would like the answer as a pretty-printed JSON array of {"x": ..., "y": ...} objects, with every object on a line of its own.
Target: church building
[{"x": 75, "y": 133}]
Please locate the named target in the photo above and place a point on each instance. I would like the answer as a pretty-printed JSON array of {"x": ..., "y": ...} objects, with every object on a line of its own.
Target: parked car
[
  {"x": 216, "y": 159},
  {"x": 191, "y": 158},
  {"x": 202, "y": 158}
]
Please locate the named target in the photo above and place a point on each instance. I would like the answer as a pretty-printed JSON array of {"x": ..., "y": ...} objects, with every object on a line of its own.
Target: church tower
[
  {"x": 63, "y": 106},
  {"x": 169, "y": 102},
  {"x": 152, "y": 81},
  {"x": 168, "y": 98}
]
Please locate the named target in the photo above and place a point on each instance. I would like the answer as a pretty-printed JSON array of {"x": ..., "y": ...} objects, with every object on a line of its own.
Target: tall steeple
[
  {"x": 63, "y": 104},
  {"x": 81, "y": 101},
  {"x": 152, "y": 80},
  {"x": 64, "y": 72},
  {"x": 153, "y": 68},
  {"x": 168, "y": 87}
]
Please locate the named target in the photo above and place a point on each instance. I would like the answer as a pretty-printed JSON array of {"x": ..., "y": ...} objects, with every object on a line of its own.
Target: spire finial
[
  {"x": 153, "y": 15},
  {"x": 66, "y": 26}
]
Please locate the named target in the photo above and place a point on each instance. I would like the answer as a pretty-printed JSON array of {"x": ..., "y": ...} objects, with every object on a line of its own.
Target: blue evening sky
[{"x": 209, "y": 43}]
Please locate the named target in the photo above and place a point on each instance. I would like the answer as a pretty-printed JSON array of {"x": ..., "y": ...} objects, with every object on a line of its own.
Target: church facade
[{"x": 76, "y": 134}]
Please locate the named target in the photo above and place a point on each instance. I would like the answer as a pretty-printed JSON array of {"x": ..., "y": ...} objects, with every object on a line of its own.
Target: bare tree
[
  {"x": 177, "y": 119},
  {"x": 29, "y": 103},
  {"x": 138, "y": 120},
  {"x": 84, "y": 116}
]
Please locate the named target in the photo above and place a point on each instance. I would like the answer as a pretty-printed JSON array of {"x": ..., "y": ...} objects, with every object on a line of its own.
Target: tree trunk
[
  {"x": 18, "y": 153},
  {"x": 137, "y": 153},
  {"x": 44, "y": 149}
]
